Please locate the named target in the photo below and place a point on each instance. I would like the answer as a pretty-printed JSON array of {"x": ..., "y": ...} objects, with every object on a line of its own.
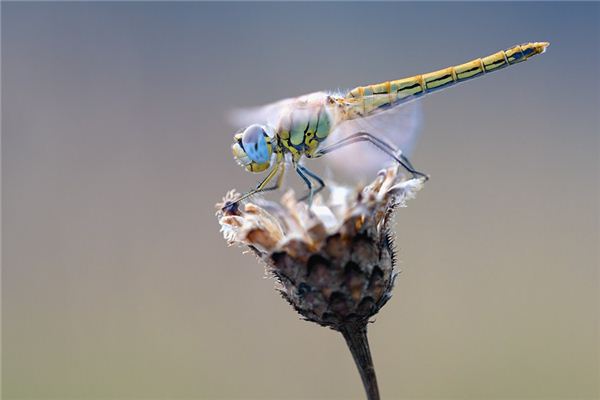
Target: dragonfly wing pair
[{"x": 398, "y": 125}]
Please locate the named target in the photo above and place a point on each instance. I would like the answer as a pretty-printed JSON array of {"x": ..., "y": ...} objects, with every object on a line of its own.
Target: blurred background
[{"x": 117, "y": 283}]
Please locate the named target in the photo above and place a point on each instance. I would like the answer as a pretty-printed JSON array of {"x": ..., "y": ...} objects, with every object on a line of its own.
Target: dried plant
[{"x": 334, "y": 261}]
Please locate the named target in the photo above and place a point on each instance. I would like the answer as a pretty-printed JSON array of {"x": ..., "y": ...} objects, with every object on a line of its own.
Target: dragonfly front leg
[
  {"x": 279, "y": 181},
  {"x": 231, "y": 206},
  {"x": 380, "y": 144}
]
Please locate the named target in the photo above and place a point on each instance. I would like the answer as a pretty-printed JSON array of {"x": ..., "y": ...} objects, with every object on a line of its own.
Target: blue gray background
[{"x": 117, "y": 284}]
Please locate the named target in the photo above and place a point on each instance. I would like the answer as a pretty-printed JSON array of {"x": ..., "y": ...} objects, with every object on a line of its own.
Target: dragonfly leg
[
  {"x": 308, "y": 183},
  {"x": 380, "y": 144},
  {"x": 230, "y": 206},
  {"x": 373, "y": 139},
  {"x": 316, "y": 178},
  {"x": 279, "y": 181},
  {"x": 406, "y": 160}
]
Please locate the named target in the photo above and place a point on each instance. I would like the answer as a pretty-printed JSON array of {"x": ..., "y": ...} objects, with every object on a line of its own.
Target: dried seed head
[{"x": 334, "y": 261}]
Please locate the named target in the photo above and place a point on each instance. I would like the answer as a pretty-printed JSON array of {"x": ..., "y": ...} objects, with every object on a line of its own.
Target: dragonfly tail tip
[{"x": 542, "y": 46}]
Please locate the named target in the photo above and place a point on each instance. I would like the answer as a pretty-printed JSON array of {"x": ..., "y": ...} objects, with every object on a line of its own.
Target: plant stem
[{"x": 356, "y": 338}]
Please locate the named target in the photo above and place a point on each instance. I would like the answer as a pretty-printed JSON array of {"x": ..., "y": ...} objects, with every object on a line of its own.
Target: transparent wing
[
  {"x": 267, "y": 114},
  {"x": 398, "y": 126},
  {"x": 271, "y": 113}
]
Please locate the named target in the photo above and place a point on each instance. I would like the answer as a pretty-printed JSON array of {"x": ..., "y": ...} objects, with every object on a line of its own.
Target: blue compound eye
[{"x": 255, "y": 144}]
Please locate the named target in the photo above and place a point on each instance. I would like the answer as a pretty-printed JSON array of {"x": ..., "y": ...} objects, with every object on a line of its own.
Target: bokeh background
[{"x": 117, "y": 284}]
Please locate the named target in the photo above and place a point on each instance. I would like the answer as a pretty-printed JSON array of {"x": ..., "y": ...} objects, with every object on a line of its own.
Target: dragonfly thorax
[{"x": 303, "y": 128}]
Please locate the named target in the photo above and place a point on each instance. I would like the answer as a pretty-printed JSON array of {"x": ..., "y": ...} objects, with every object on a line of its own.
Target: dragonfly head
[{"x": 253, "y": 148}]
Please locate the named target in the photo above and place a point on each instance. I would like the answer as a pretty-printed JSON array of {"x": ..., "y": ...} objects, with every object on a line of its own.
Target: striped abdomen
[{"x": 365, "y": 99}]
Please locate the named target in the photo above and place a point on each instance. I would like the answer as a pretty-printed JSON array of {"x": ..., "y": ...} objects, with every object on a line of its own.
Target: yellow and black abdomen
[{"x": 364, "y": 100}]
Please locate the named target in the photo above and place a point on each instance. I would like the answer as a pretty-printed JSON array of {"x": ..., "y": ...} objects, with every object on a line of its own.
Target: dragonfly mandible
[{"x": 313, "y": 125}]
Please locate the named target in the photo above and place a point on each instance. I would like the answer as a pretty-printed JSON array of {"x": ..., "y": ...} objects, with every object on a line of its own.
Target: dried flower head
[{"x": 334, "y": 261}]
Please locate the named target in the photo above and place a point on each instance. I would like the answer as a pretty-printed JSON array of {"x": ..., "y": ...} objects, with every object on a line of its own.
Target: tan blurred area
[{"x": 117, "y": 284}]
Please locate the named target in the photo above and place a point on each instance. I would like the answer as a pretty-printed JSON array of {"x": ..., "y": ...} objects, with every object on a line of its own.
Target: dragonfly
[{"x": 290, "y": 131}]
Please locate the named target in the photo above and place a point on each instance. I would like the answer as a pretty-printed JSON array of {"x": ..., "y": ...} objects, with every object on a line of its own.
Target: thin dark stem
[{"x": 356, "y": 338}]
